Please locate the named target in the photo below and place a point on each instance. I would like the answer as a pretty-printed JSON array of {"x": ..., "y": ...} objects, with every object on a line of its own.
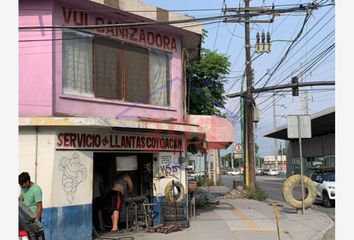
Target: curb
[{"x": 321, "y": 234}]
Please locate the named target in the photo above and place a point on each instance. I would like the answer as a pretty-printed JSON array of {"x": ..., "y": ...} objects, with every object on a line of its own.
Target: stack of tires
[
  {"x": 175, "y": 213},
  {"x": 174, "y": 208}
]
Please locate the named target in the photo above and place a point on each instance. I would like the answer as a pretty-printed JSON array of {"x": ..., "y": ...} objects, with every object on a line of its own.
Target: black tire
[
  {"x": 169, "y": 211},
  {"x": 183, "y": 224},
  {"x": 172, "y": 205},
  {"x": 326, "y": 201},
  {"x": 171, "y": 218},
  {"x": 168, "y": 191}
]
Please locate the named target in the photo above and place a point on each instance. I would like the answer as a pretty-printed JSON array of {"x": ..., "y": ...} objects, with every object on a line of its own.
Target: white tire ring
[
  {"x": 168, "y": 191},
  {"x": 288, "y": 187}
]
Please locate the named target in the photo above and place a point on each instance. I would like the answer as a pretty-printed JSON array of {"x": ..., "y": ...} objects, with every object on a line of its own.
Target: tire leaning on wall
[
  {"x": 168, "y": 191},
  {"x": 295, "y": 180}
]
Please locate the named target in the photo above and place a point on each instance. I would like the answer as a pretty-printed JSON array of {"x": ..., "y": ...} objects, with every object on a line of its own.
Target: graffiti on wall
[
  {"x": 171, "y": 166},
  {"x": 74, "y": 172}
]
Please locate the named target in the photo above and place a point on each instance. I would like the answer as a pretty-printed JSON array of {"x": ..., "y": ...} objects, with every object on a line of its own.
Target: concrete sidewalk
[{"x": 245, "y": 219}]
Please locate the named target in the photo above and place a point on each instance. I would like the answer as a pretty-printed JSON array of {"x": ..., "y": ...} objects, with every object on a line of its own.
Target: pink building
[{"x": 109, "y": 99}]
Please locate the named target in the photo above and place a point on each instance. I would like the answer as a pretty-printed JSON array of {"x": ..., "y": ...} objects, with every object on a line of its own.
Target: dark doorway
[{"x": 142, "y": 178}]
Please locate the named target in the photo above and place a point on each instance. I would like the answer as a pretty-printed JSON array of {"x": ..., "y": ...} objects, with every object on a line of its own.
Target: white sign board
[
  {"x": 293, "y": 126},
  {"x": 127, "y": 163},
  {"x": 237, "y": 148}
]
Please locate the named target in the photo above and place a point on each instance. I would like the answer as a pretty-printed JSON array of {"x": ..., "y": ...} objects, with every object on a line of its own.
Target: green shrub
[
  {"x": 257, "y": 194},
  {"x": 208, "y": 182},
  {"x": 205, "y": 181},
  {"x": 200, "y": 181}
]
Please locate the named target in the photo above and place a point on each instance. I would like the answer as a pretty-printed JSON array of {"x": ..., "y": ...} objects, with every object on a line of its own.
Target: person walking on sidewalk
[
  {"x": 121, "y": 184},
  {"x": 31, "y": 194}
]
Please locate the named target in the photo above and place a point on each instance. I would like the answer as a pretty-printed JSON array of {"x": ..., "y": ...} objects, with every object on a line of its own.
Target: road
[{"x": 272, "y": 186}]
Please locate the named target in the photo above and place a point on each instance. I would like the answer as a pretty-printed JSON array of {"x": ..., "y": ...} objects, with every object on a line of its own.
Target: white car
[
  {"x": 233, "y": 172},
  {"x": 273, "y": 172},
  {"x": 192, "y": 176},
  {"x": 324, "y": 179}
]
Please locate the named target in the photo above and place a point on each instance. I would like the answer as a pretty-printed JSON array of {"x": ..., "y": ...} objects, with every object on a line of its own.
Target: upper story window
[
  {"x": 100, "y": 67},
  {"x": 77, "y": 63}
]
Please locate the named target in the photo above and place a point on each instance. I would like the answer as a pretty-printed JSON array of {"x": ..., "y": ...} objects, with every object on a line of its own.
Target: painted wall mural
[
  {"x": 74, "y": 172},
  {"x": 72, "y": 178}
]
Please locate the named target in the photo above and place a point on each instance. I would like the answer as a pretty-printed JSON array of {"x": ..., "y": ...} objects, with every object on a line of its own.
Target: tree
[
  {"x": 259, "y": 160},
  {"x": 226, "y": 158},
  {"x": 205, "y": 83},
  {"x": 256, "y": 148}
]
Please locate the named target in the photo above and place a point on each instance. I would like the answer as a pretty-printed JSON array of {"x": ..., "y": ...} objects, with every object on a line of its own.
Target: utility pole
[
  {"x": 305, "y": 102},
  {"x": 281, "y": 158},
  {"x": 207, "y": 164},
  {"x": 247, "y": 97},
  {"x": 275, "y": 142},
  {"x": 218, "y": 164},
  {"x": 249, "y": 179},
  {"x": 214, "y": 167},
  {"x": 304, "y": 99}
]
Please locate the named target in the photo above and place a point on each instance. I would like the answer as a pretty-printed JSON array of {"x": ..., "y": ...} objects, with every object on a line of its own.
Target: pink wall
[
  {"x": 35, "y": 59},
  {"x": 40, "y": 71}
]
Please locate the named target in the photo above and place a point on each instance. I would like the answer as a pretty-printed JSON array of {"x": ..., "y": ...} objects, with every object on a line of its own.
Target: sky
[{"x": 311, "y": 59}]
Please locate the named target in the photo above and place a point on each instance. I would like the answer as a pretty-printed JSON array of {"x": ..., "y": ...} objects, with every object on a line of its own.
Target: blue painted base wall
[
  {"x": 157, "y": 209},
  {"x": 70, "y": 222}
]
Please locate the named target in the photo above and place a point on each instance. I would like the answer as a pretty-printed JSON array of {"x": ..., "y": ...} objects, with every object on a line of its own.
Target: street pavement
[{"x": 246, "y": 219}]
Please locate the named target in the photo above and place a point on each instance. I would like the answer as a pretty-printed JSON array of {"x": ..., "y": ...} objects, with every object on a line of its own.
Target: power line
[
  {"x": 61, "y": 39},
  {"x": 288, "y": 50},
  {"x": 232, "y": 36},
  {"x": 217, "y": 31},
  {"x": 158, "y": 23},
  {"x": 157, "y": 10},
  {"x": 301, "y": 39},
  {"x": 294, "y": 45},
  {"x": 289, "y": 68}
]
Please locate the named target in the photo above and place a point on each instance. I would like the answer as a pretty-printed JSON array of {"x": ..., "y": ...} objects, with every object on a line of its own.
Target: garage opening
[{"x": 136, "y": 210}]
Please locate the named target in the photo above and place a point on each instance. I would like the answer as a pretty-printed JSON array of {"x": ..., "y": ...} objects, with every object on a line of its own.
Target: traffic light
[{"x": 295, "y": 90}]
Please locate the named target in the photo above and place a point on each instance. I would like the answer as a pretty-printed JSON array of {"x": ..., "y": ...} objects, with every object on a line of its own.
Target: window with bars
[{"x": 101, "y": 67}]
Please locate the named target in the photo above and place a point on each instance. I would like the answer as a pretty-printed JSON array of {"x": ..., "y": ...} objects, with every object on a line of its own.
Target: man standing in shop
[
  {"x": 121, "y": 184},
  {"x": 31, "y": 194}
]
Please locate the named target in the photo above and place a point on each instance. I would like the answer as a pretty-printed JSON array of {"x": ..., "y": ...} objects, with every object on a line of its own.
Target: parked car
[
  {"x": 233, "y": 172},
  {"x": 192, "y": 175},
  {"x": 259, "y": 171},
  {"x": 200, "y": 174},
  {"x": 273, "y": 172},
  {"x": 265, "y": 171},
  {"x": 324, "y": 178}
]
